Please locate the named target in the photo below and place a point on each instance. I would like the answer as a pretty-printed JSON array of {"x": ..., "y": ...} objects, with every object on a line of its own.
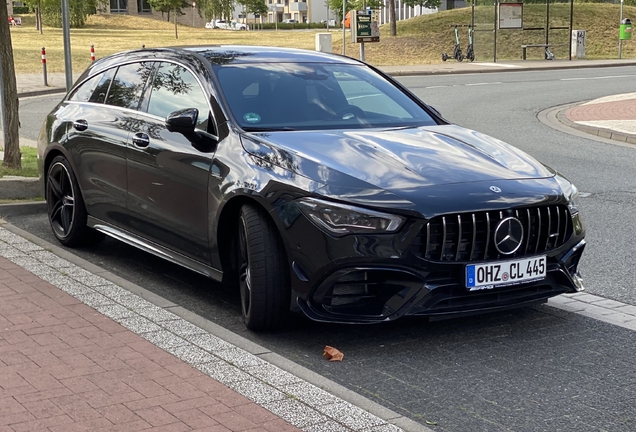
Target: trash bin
[{"x": 626, "y": 29}]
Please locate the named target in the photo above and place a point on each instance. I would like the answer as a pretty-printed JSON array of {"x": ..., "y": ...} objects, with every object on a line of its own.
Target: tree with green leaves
[
  {"x": 257, "y": 7},
  {"x": 336, "y": 5},
  {"x": 173, "y": 6},
  {"x": 51, "y": 11},
  {"x": 215, "y": 9}
]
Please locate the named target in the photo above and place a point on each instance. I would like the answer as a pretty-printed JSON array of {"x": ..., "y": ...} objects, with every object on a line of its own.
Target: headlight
[
  {"x": 340, "y": 219},
  {"x": 570, "y": 192}
]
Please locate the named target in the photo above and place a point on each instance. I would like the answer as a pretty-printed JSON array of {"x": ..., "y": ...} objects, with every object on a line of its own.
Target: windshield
[{"x": 312, "y": 96}]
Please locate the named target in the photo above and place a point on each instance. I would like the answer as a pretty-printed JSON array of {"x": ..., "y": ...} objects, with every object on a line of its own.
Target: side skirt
[{"x": 154, "y": 249}]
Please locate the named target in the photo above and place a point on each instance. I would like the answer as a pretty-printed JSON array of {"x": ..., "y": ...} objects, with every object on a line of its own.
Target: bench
[{"x": 524, "y": 47}]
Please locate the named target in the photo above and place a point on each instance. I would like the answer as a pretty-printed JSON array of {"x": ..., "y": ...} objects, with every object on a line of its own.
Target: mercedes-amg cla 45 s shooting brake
[{"x": 309, "y": 181}]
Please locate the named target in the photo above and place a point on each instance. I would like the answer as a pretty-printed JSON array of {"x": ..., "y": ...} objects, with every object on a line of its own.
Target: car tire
[
  {"x": 65, "y": 206},
  {"x": 262, "y": 271}
]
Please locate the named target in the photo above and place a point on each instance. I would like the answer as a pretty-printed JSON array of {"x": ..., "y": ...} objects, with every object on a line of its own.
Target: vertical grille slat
[
  {"x": 428, "y": 239},
  {"x": 459, "y": 236},
  {"x": 536, "y": 249},
  {"x": 549, "y": 230},
  {"x": 472, "y": 245},
  {"x": 441, "y": 257},
  {"x": 487, "y": 235},
  {"x": 545, "y": 228}
]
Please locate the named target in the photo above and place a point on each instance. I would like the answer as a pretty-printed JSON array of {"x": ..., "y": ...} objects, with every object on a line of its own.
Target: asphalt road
[{"x": 530, "y": 370}]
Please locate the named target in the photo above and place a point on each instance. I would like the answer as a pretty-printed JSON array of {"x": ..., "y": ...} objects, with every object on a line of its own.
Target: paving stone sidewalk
[
  {"x": 66, "y": 367},
  {"x": 80, "y": 353}
]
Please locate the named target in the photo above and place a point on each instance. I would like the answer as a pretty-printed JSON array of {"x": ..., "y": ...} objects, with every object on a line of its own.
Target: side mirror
[{"x": 183, "y": 121}]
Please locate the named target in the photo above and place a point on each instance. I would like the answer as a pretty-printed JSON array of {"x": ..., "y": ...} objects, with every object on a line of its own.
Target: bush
[
  {"x": 20, "y": 10},
  {"x": 294, "y": 26}
]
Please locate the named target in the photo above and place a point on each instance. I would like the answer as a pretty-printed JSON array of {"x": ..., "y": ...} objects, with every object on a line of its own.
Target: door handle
[
  {"x": 141, "y": 140},
  {"x": 80, "y": 125}
]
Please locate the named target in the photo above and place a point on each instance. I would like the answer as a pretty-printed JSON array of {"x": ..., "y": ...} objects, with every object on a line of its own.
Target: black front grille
[{"x": 469, "y": 236}]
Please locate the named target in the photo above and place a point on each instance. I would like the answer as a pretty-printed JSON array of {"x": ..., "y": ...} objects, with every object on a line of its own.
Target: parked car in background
[
  {"x": 305, "y": 179},
  {"x": 226, "y": 25},
  {"x": 290, "y": 21}
]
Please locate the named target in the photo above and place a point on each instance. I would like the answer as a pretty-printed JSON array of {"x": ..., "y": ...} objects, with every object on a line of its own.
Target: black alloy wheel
[
  {"x": 66, "y": 211},
  {"x": 262, "y": 271}
]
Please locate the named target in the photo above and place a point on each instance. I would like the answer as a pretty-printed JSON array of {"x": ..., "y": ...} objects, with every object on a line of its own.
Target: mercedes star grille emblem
[
  {"x": 495, "y": 189},
  {"x": 508, "y": 236}
]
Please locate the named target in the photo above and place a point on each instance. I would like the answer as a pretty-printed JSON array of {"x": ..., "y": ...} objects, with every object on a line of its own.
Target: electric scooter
[
  {"x": 470, "y": 52},
  {"x": 457, "y": 52}
]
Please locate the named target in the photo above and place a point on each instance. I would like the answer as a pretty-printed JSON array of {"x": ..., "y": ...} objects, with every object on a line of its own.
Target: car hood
[{"x": 400, "y": 162}]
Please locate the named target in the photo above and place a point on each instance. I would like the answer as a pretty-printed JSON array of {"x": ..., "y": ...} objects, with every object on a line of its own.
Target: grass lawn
[
  {"x": 420, "y": 40},
  {"x": 29, "y": 164}
]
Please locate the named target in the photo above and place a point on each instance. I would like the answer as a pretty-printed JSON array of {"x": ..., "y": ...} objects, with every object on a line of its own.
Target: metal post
[
  {"x": 92, "y": 52},
  {"x": 46, "y": 83},
  {"x": 495, "y": 32},
  {"x": 620, "y": 41},
  {"x": 547, "y": 22},
  {"x": 571, "y": 26},
  {"x": 68, "y": 65},
  {"x": 344, "y": 33},
  {"x": 472, "y": 14},
  {"x": 364, "y": 8},
  {"x": 193, "y": 5}
]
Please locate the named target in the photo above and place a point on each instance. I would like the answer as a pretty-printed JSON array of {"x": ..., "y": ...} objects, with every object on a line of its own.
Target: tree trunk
[
  {"x": 9, "y": 96},
  {"x": 38, "y": 16},
  {"x": 176, "y": 33},
  {"x": 392, "y": 17}
]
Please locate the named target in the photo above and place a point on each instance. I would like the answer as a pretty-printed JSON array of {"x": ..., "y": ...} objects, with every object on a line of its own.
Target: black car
[{"x": 310, "y": 181}]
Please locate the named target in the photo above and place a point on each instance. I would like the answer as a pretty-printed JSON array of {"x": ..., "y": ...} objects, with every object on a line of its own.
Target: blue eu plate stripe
[{"x": 470, "y": 276}]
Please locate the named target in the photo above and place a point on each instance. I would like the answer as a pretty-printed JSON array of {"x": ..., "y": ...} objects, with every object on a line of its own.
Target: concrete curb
[
  {"x": 598, "y": 131},
  {"x": 44, "y": 92},
  {"x": 535, "y": 67},
  {"x": 15, "y": 187},
  {"x": 22, "y": 208}
]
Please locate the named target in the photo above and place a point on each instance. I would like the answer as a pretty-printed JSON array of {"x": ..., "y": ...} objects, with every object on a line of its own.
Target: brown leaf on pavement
[{"x": 333, "y": 354}]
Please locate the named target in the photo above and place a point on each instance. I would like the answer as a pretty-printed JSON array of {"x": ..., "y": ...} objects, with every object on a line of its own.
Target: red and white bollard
[
  {"x": 92, "y": 53},
  {"x": 44, "y": 66}
]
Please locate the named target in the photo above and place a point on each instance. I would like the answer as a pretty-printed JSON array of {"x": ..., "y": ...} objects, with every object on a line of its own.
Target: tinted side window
[
  {"x": 128, "y": 85},
  {"x": 99, "y": 95},
  {"x": 85, "y": 91},
  {"x": 175, "y": 88}
]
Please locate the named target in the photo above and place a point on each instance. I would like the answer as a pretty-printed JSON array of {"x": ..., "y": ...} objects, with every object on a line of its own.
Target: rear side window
[
  {"x": 85, "y": 91},
  {"x": 128, "y": 85},
  {"x": 175, "y": 88},
  {"x": 94, "y": 89}
]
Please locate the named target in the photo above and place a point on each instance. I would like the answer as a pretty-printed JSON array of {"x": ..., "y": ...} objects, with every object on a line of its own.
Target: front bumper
[{"x": 370, "y": 279}]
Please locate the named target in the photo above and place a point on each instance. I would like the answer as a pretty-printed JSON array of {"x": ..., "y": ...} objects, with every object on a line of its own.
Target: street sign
[{"x": 365, "y": 27}]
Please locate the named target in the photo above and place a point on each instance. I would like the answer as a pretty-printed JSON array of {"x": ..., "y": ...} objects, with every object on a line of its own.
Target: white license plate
[{"x": 504, "y": 273}]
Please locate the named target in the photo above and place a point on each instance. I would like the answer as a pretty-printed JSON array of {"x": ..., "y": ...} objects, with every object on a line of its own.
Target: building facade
[{"x": 279, "y": 10}]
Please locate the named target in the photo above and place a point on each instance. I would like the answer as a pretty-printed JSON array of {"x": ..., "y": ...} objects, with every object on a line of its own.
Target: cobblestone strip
[
  {"x": 302, "y": 404},
  {"x": 602, "y": 309}
]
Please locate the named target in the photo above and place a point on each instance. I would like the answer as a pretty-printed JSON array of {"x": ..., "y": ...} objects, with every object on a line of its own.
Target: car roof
[
  {"x": 216, "y": 55},
  {"x": 226, "y": 54}
]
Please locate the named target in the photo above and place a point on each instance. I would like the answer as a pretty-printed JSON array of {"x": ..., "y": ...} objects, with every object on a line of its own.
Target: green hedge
[
  {"x": 20, "y": 10},
  {"x": 286, "y": 26}
]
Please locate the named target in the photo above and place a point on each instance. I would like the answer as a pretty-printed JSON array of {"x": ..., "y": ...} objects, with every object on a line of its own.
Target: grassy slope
[{"x": 420, "y": 40}]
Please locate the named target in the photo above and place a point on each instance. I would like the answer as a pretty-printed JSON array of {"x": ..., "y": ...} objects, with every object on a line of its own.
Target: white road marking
[
  {"x": 597, "y": 78},
  {"x": 480, "y": 84}
]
